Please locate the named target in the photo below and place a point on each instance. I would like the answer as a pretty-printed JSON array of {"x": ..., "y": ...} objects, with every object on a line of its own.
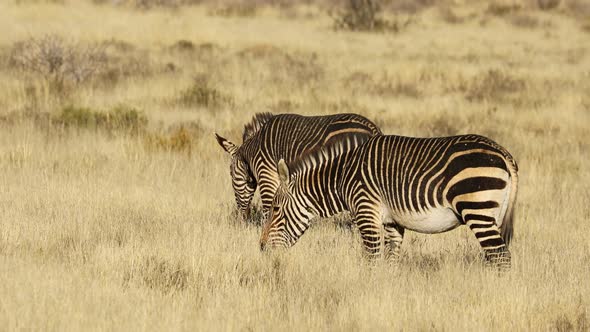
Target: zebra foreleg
[
  {"x": 394, "y": 236},
  {"x": 369, "y": 226}
]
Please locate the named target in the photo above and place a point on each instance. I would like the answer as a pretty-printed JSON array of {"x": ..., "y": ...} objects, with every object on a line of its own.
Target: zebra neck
[{"x": 317, "y": 187}]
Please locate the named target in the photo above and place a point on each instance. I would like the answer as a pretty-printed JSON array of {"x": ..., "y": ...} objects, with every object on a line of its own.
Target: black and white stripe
[
  {"x": 393, "y": 183},
  {"x": 269, "y": 138}
]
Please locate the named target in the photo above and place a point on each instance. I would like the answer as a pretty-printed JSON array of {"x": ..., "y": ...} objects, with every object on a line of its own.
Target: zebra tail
[{"x": 507, "y": 229}]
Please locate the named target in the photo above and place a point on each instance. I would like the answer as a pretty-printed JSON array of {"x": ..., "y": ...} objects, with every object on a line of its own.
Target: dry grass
[{"x": 106, "y": 228}]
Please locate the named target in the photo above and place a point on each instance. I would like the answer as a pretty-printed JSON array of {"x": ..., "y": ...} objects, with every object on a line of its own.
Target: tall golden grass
[{"x": 106, "y": 228}]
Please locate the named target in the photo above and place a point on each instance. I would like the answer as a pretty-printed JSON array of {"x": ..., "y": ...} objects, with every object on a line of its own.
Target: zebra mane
[
  {"x": 256, "y": 124},
  {"x": 321, "y": 154}
]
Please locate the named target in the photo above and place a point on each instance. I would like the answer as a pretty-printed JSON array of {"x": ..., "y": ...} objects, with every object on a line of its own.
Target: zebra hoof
[{"x": 499, "y": 258}]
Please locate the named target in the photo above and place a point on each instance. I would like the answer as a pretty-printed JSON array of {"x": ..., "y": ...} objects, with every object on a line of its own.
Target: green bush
[{"x": 120, "y": 118}]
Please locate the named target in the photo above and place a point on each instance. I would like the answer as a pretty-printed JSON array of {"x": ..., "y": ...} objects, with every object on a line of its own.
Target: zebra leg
[
  {"x": 393, "y": 237},
  {"x": 499, "y": 258},
  {"x": 488, "y": 234},
  {"x": 369, "y": 225}
]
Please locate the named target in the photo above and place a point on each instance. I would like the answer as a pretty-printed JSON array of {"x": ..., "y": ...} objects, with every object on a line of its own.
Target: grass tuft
[
  {"x": 202, "y": 94},
  {"x": 159, "y": 274},
  {"x": 493, "y": 85},
  {"x": 178, "y": 140}
]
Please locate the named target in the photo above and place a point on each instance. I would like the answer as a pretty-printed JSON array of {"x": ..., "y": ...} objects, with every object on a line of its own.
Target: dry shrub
[
  {"x": 119, "y": 119},
  {"x": 548, "y": 4},
  {"x": 179, "y": 139},
  {"x": 579, "y": 8},
  {"x": 202, "y": 94},
  {"x": 410, "y": 6},
  {"x": 124, "y": 67},
  {"x": 359, "y": 15},
  {"x": 183, "y": 45},
  {"x": 523, "y": 21},
  {"x": 239, "y": 8},
  {"x": 63, "y": 65},
  {"x": 206, "y": 52},
  {"x": 126, "y": 61},
  {"x": 493, "y": 85},
  {"x": 159, "y": 274},
  {"x": 501, "y": 8},
  {"x": 247, "y": 8},
  {"x": 449, "y": 16},
  {"x": 149, "y": 4},
  {"x": 574, "y": 321},
  {"x": 366, "y": 15}
]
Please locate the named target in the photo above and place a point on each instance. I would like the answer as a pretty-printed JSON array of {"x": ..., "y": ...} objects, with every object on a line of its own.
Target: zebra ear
[
  {"x": 283, "y": 171},
  {"x": 228, "y": 146}
]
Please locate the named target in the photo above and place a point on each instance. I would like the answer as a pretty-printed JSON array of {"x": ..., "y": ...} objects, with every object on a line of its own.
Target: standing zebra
[
  {"x": 269, "y": 138},
  {"x": 393, "y": 183}
]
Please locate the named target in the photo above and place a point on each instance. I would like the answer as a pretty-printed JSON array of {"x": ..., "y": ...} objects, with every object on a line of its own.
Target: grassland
[{"x": 116, "y": 209}]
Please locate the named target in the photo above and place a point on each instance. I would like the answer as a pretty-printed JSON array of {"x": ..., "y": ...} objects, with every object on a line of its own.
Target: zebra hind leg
[
  {"x": 499, "y": 258},
  {"x": 488, "y": 234},
  {"x": 394, "y": 236}
]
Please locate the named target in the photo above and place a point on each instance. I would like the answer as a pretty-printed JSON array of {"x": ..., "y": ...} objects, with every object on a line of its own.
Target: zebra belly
[{"x": 436, "y": 220}]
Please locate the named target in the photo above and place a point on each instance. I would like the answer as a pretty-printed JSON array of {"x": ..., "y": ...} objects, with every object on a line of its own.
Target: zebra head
[
  {"x": 288, "y": 217},
  {"x": 243, "y": 181}
]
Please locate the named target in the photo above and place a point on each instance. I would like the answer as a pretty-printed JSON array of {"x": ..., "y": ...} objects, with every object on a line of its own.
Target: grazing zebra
[
  {"x": 269, "y": 138},
  {"x": 393, "y": 183}
]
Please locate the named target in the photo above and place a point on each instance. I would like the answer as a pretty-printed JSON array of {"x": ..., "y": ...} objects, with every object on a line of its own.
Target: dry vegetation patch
[
  {"x": 179, "y": 138},
  {"x": 202, "y": 94},
  {"x": 493, "y": 85},
  {"x": 159, "y": 274},
  {"x": 63, "y": 65},
  {"x": 120, "y": 118},
  {"x": 287, "y": 67},
  {"x": 117, "y": 207},
  {"x": 367, "y": 15}
]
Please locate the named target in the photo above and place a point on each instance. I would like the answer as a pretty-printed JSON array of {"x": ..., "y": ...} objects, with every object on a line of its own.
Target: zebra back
[{"x": 269, "y": 138}]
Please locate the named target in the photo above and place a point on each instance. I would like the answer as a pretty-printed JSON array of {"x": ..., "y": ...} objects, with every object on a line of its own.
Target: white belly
[{"x": 436, "y": 220}]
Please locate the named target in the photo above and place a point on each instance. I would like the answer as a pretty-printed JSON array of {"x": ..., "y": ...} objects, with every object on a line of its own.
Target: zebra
[
  {"x": 393, "y": 183},
  {"x": 269, "y": 138}
]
